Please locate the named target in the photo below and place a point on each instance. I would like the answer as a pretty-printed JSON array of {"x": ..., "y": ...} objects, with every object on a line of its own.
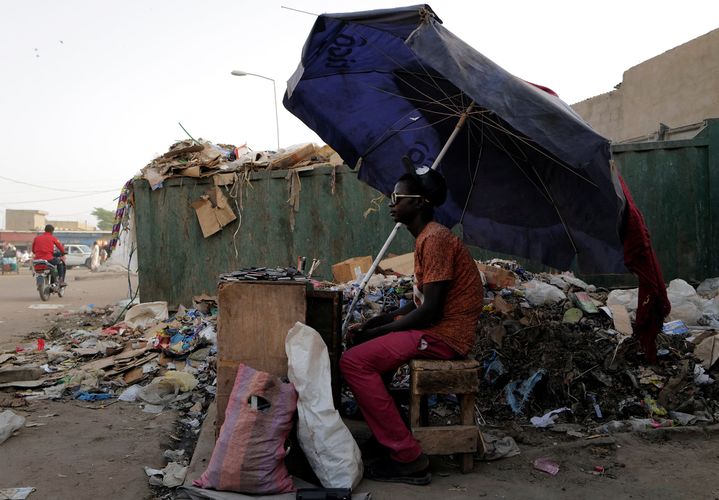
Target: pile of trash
[
  {"x": 555, "y": 349},
  {"x": 382, "y": 294},
  {"x": 150, "y": 358},
  {"x": 263, "y": 274},
  {"x": 200, "y": 158}
]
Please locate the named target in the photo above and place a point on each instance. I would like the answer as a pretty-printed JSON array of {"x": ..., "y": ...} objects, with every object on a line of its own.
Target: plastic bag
[
  {"x": 249, "y": 453},
  {"x": 167, "y": 389},
  {"x": 9, "y": 423},
  {"x": 146, "y": 314},
  {"x": 539, "y": 293},
  {"x": 328, "y": 444},
  {"x": 627, "y": 298}
]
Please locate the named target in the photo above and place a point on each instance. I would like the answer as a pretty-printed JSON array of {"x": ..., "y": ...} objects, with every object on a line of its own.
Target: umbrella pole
[
  {"x": 385, "y": 247},
  {"x": 463, "y": 118},
  {"x": 368, "y": 275}
]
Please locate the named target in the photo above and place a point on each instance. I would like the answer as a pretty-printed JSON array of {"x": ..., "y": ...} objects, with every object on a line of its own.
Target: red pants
[{"x": 363, "y": 366}]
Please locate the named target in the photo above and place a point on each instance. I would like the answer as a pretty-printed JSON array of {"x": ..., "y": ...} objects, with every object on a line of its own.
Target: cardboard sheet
[{"x": 213, "y": 211}]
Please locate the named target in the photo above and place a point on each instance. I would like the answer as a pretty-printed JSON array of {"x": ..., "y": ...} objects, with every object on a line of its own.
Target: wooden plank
[
  {"x": 121, "y": 368},
  {"x": 451, "y": 382},
  {"x": 414, "y": 407},
  {"x": 24, "y": 383},
  {"x": 254, "y": 318},
  {"x": 443, "y": 365},
  {"x": 467, "y": 407},
  {"x": 103, "y": 363},
  {"x": 447, "y": 440},
  {"x": 134, "y": 375}
]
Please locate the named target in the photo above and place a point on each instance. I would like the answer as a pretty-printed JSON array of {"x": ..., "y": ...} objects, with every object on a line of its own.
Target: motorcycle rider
[{"x": 43, "y": 247}]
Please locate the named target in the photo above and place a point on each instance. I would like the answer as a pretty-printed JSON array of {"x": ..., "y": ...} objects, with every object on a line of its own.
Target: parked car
[{"x": 77, "y": 255}]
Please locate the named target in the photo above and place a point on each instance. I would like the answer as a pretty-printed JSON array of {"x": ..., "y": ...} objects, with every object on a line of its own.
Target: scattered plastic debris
[{"x": 546, "y": 465}]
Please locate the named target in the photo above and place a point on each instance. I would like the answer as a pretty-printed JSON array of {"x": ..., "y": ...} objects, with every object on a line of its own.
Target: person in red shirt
[
  {"x": 439, "y": 324},
  {"x": 43, "y": 247}
]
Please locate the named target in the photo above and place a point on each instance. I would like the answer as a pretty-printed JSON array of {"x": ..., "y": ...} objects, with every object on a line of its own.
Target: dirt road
[
  {"x": 76, "y": 450},
  {"x": 19, "y": 298}
]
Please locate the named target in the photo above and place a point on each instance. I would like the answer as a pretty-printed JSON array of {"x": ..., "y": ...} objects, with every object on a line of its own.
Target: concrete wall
[
  {"x": 678, "y": 87},
  {"x": 24, "y": 220}
]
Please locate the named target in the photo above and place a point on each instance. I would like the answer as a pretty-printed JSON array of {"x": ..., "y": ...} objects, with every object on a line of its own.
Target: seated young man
[{"x": 439, "y": 324}]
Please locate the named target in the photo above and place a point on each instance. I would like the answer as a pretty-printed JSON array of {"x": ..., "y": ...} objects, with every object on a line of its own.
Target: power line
[{"x": 54, "y": 188}]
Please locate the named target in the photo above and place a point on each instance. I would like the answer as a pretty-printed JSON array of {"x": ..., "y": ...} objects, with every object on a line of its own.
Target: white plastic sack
[
  {"x": 709, "y": 288},
  {"x": 131, "y": 393},
  {"x": 146, "y": 314},
  {"x": 328, "y": 444},
  {"x": 626, "y": 298},
  {"x": 687, "y": 312},
  {"x": 9, "y": 423},
  {"x": 686, "y": 304},
  {"x": 539, "y": 293},
  {"x": 681, "y": 291}
]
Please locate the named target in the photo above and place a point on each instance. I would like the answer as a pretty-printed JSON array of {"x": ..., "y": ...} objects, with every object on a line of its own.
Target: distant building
[
  {"x": 35, "y": 220},
  {"x": 24, "y": 220},
  {"x": 22, "y": 240},
  {"x": 677, "y": 88},
  {"x": 71, "y": 225}
]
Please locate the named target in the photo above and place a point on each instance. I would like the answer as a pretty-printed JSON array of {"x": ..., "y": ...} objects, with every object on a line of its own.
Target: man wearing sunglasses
[{"x": 439, "y": 324}]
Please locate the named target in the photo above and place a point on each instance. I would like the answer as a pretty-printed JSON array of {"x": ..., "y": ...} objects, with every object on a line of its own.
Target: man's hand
[
  {"x": 376, "y": 321},
  {"x": 357, "y": 334}
]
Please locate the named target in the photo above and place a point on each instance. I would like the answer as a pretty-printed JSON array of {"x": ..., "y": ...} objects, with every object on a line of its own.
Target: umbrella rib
[
  {"x": 543, "y": 153},
  {"x": 546, "y": 193},
  {"x": 476, "y": 169},
  {"x": 419, "y": 101},
  {"x": 559, "y": 214},
  {"x": 400, "y": 65},
  {"x": 499, "y": 146},
  {"x": 391, "y": 131}
]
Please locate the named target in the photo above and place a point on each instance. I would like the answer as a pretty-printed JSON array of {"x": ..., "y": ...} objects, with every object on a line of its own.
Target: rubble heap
[
  {"x": 553, "y": 342},
  {"x": 199, "y": 158},
  {"x": 152, "y": 359}
]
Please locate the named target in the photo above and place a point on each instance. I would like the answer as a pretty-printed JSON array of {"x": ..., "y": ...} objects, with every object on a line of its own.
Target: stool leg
[
  {"x": 467, "y": 408},
  {"x": 414, "y": 412},
  {"x": 466, "y": 463}
]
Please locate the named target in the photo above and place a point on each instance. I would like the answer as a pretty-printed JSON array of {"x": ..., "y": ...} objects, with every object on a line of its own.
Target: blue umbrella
[{"x": 526, "y": 175}]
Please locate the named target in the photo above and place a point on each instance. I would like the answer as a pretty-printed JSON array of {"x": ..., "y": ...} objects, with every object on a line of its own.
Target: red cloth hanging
[{"x": 639, "y": 257}]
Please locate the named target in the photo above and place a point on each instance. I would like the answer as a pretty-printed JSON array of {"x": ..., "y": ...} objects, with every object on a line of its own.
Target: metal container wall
[
  {"x": 675, "y": 184},
  {"x": 175, "y": 262}
]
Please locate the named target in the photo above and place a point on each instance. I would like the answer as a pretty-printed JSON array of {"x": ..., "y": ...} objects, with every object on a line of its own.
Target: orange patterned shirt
[{"x": 440, "y": 256}]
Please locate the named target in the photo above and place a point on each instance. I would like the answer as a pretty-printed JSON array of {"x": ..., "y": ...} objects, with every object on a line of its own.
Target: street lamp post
[{"x": 274, "y": 90}]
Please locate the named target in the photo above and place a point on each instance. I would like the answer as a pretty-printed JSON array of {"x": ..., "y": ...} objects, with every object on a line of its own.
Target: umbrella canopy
[{"x": 526, "y": 175}]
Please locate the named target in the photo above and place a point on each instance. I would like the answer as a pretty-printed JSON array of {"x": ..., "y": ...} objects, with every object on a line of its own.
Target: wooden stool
[{"x": 459, "y": 377}]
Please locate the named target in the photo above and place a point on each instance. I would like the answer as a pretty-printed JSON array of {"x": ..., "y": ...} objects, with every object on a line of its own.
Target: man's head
[
  {"x": 49, "y": 228},
  {"x": 417, "y": 194}
]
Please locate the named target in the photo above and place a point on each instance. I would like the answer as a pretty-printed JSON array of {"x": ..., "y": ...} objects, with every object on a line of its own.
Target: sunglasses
[{"x": 395, "y": 196}]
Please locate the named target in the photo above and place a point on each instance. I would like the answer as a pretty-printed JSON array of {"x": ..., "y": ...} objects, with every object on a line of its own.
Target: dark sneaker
[{"x": 388, "y": 470}]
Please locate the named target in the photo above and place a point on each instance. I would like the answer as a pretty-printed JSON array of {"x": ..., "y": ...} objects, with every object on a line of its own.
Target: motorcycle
[{"x": 47, "y": 279}]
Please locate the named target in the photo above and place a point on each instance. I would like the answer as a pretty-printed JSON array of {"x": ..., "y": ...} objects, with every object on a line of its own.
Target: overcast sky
[{"x": 91, "y": 91}]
